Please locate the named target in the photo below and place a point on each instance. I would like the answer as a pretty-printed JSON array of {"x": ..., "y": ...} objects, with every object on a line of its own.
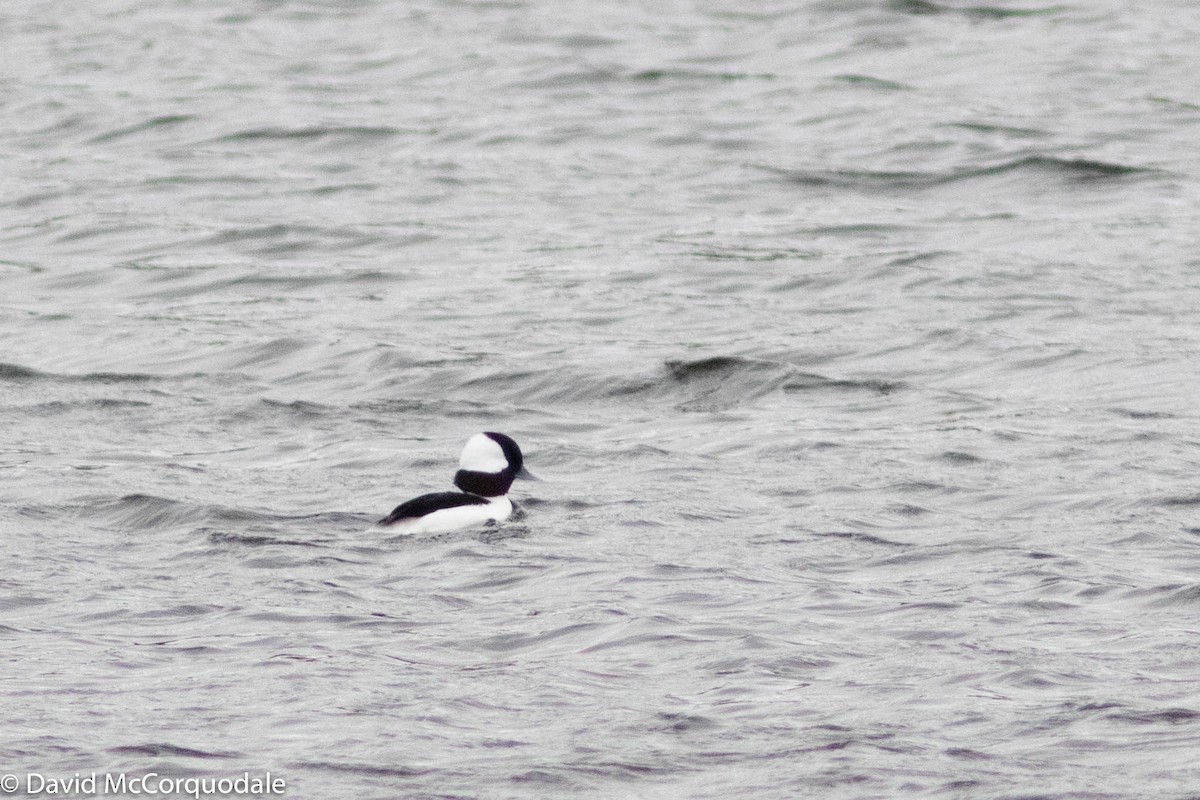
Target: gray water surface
[{"x": 856, "y": 342}]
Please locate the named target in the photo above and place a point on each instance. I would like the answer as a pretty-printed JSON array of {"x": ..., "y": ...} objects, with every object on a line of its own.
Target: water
[{"x": 855, "y": 341}]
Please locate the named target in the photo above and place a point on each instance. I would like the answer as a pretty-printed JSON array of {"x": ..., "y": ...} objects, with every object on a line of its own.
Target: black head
[{"x": 489, "y": 464}]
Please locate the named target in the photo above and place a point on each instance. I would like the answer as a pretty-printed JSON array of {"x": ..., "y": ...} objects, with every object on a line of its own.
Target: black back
[{"x": 428, "y": 503}]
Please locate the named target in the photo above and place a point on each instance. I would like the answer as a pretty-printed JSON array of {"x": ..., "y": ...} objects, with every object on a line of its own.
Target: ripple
[
  {"x": 1069, "y": 172},
  {"x": 351, "y": 133},
  {"x": 145, "y": 512},
  {"x": 160, "y": 749},
  {"x": 926, "y": 7},
  {"x": 369, "y": 770},
  {"x": 155, "y": 123},
  {"x": 1170, "y": 716},
  {"x": 18, "y": 373}
]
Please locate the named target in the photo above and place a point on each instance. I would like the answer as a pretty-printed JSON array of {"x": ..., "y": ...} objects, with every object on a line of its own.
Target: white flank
[{"x": 457, "y": 518}]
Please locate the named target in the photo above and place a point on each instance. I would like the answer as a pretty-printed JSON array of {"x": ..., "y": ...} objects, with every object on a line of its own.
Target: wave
[
  {"x": 713, "y": 383},
  {"x": 160, "y": 749},
  {"x": 18, "y": 373},
  {"x": 723, "y": 382},
  {"x": 285, "y": 238},
  {"x": 371, "y": 770},
  {"x": 593, "y": 76},
  {"x": 391, "y": 383},
  {"x": 54, "y": 407},
  {"x": 256, "y": 528},
  {"x": 154, "y": 123},
  {"x": 144, "y": 512},
  {"x": 317, "y": 132},
  {"x": 1072, "y": 172},
  {"x": 928, "y": 8}
]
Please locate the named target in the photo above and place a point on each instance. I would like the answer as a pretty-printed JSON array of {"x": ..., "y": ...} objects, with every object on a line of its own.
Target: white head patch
[{"x": 482, "y": 454}]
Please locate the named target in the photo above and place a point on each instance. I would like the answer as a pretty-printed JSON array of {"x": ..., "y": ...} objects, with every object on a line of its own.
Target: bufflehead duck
[{"x": 489, "y": 464}]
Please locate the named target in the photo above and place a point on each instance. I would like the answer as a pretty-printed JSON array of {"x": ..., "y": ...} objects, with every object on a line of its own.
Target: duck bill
[{"x": 526, "y": 475}]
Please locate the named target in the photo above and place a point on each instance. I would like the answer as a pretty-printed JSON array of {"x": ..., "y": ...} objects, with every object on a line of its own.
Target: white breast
[{"x": 457, "y": 518}]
